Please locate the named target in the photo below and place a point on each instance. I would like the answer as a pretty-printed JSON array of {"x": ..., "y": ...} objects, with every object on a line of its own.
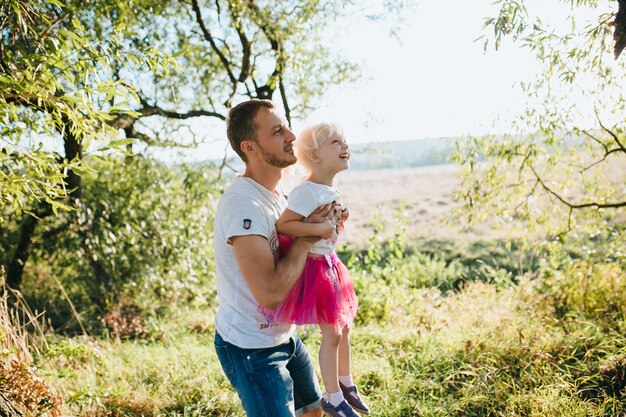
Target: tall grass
[
  {"x": 550, "y": 343},
  {"x": 22, "y": 387}
]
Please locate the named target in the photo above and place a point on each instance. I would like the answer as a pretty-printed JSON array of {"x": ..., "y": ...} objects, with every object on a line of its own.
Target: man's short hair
[{"x": 240, "y": 123}]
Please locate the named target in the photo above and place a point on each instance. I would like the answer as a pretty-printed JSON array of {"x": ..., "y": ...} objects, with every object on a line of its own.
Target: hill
[
  {"x": 401, "y": 154},
  {"x": 385, "y": 155}
]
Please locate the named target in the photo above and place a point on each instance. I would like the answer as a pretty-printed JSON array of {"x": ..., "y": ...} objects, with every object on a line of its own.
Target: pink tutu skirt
[{"x": 324, "y": 294}]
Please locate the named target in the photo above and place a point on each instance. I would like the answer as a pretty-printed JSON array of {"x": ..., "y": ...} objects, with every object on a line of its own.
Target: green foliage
[
  {"x": 561, "y": 167},
  {"x": 230, "y": 51},
  {"x": 586, "y": 291},
  {"x": 79, "y": 80},
  {"x": 54, "y": 82},
  {"x": 483, "y": 350},
  {"x": 388, "y": 267},
  {"x": 142, "y": 235}
]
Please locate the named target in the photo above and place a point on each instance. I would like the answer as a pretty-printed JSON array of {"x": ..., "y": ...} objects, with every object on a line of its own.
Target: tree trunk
[
  {"x": 15, "y": 269},
  {"x": 22, "y": 252},
  {"x": 73, "y": 150}
]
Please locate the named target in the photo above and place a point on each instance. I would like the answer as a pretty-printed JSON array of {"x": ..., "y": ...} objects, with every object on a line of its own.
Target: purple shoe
[
  {"x": 342, "y": 410},
  {"x": 353, "y": 398}
]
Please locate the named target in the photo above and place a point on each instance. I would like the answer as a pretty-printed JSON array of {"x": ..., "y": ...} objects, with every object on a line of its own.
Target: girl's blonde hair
[{"x": 312, "y": 138}]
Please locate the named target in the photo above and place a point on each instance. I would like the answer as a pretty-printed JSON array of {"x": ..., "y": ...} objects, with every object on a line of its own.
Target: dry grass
[{"x": 21, "y": 333}]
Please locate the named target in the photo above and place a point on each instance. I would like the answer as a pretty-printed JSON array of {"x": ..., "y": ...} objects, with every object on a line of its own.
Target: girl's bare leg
[
  {"x": 344, "y": 353},
  {"x": 328, "y": 357}
]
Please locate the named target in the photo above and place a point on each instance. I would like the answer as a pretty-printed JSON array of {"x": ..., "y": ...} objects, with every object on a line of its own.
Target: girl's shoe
[
  {"x": 352, "y": 397},
  {"x": 342, "y": 410}
]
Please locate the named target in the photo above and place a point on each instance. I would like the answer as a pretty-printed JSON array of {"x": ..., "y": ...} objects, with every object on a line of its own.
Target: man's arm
[
  {"x": 291, "y": 223},
  {"x": 269, "y": 281}
]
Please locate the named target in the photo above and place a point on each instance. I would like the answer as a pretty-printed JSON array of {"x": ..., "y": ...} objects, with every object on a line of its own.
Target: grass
[
  {"x": 22, "y": 389},
  {"x": 477, "y": 352},
  {"x": 547, "y": 343}
]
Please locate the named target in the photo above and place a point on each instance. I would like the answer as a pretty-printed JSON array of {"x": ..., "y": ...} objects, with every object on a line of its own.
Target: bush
[
  {"x": 586, "y": 290},
  {"x": 142, "y": 232}
]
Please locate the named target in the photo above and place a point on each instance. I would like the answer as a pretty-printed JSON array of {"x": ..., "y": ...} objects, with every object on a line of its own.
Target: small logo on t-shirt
[{"x": 247, "y": 223}]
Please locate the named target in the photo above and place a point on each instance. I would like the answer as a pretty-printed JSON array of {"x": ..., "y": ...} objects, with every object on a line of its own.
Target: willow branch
[
  {"x": 607, "y": 151},
  {"x": 606, "y": 154},
  {"x": 52, "y": 25},
  {"x": 572, "y": 205},
  {"x": 592, "y": 137},
  {"x": 528, "y": 195},
  {"x": 610, "y": 132}
]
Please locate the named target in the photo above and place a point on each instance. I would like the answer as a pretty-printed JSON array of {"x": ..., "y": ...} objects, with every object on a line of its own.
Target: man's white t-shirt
[
  {"x": 246, "y": 208},
  {"x": 307, "y": 197}
]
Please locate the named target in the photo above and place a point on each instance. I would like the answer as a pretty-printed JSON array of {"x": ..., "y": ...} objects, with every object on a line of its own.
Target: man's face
[{"x": 274, "y": 139}]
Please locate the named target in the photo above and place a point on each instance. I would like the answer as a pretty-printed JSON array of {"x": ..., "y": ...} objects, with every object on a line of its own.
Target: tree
[
  {"x": 54, "y": 83},
  {"x": 230, "y": 50},
  {"x": 101, "y": 79},
  {"x": 563, "y": 165}
]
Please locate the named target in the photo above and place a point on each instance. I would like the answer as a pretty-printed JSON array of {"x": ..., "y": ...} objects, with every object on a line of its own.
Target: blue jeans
[{"x": 271, "y": 382}]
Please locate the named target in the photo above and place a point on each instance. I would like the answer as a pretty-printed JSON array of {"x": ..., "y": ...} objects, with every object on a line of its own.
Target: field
[
  {"x": 450, "y": 323},
  {"x": 425, "y": 193}
]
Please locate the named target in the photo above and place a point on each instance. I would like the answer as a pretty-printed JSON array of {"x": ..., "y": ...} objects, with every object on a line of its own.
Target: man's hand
[
  {"x": 320, "y": 214},
  {"x": 326, "y": 229}
]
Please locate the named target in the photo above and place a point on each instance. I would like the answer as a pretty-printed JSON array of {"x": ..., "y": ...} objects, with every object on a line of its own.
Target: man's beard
[{"x": 274, "y": 160}]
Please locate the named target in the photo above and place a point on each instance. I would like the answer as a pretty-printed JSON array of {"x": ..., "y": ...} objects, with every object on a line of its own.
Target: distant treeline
[
  {"x": 401, "y": 154},
  {"x": 384, "y": 155},
  {"x": 413, "y": 153},
  {"x": 433, "y": 151}
]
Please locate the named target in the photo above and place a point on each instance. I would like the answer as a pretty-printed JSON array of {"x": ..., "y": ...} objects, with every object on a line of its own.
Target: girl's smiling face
[
  {"x": 322, "y": 150},
  {"x": 334, "y": 153}
]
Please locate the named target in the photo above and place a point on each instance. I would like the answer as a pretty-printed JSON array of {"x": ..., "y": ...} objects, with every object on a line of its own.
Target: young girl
[{"x": 324, "y": 294}]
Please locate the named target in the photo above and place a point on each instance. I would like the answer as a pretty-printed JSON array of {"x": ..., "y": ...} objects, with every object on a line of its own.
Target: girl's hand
[
  {"x": 345, "y": 213},
  {"x": 326, "y": 229}
]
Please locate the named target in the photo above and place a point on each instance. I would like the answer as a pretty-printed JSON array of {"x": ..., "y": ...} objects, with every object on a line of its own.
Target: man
[{"x": 267, "y": 364}]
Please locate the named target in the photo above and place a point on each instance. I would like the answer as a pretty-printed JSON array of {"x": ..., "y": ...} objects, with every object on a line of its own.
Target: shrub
[
  {"x": 20, "y": 382},
  {"x": 143, "y": 231},
  {"x": 587, "y": 290}
]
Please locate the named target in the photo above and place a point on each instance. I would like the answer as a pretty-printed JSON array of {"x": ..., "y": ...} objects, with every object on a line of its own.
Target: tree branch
[
  {"x": 615, "y": 138},
  {"x": 245, "y": 44},
  {"x": 268, "y": 89},
  {"x": 590, "y": 136},
  {"x": 124, "y": 121},
  {"x": 607, "y": 151},
  {"x": 283, "y": 96},
  {"x": 602, "y": 160},
  {"x": 224, "y": 164},
  {"x": 572, "y": 205},
  {"x": 207, "y": 35},
  {"x": 619, "y": 36},
  {"x": 53, "y": 24},
  {"x": 131, "y": 132}
]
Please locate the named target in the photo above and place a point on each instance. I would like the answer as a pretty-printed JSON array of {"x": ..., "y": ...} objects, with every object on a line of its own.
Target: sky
[{"x": 433, "y": 80}]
